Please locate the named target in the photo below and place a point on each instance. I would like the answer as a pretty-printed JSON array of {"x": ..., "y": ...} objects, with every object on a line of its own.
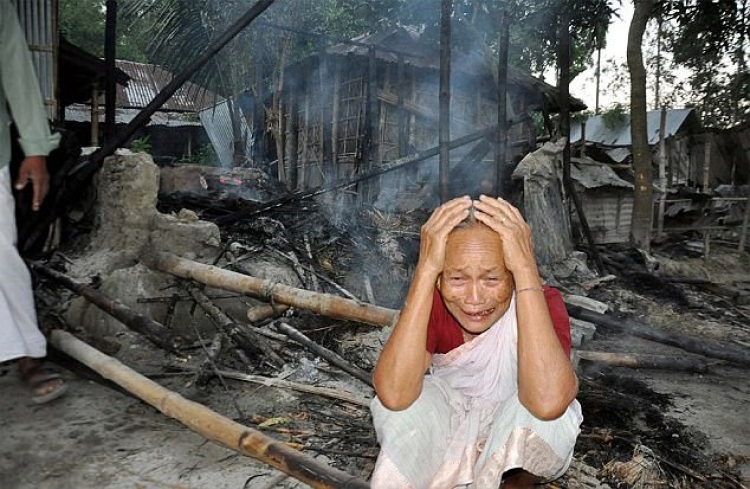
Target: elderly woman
[{"x": 474, "y": 388}]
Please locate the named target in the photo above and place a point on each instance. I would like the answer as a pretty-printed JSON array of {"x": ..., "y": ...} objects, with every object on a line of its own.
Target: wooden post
[
  {"x": 403, "y": 136},
  {"x": 95, "y": 114},
  {"x": 207, "y": 423},
  {"x": 444, "y": 130},
  {"x": 662, "y": 171},
  {"x": 583, "y": 139},
  {"x": 292, "y": 183},
  {"x": 501, "y": 141},
  {"x": 564, "y": 85},
  {"x": 110, "y": 83},
  {"x": 707, "y": 163},
  {"x": 326, "y": 304},
  {"x": 325, "y": 108},
  {"x": 335, "y": 116},
  {"x": 745, "y": 221}
]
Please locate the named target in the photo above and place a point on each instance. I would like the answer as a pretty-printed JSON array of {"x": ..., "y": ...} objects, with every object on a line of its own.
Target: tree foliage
[
  {"x": 712, "y": 39},
  {"x": 82, "y": 23}
]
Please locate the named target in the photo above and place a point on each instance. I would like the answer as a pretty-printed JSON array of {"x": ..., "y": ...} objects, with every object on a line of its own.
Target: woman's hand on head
[
  {"x": 508, "y": 222},
  {"x": 435, "y": 231}
]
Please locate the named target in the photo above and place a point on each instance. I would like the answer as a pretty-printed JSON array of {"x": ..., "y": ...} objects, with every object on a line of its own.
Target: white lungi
[{"x": 19, "y": 333}]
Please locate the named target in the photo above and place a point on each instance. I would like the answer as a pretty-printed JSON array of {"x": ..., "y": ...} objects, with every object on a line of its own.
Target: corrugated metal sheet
[
  {"x": 39, "y": 21},
  {"x": 147, "y": 80},
  {"x": 609, "y": 214},
  {"x": 218, "y": 125},
  {"x": 82, "y": 113},
  {"x": 599, "y": 133}
]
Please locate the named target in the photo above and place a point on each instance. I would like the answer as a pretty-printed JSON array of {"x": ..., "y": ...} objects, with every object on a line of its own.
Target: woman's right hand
[{"x": 435, "y": 231}]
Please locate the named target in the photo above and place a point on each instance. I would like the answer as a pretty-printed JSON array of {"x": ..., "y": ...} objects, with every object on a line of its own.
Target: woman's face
[{"x": 475, "y": 285}]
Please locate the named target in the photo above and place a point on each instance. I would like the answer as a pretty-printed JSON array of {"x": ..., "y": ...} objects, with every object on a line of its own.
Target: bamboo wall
[{"x": 404, "y": 120}]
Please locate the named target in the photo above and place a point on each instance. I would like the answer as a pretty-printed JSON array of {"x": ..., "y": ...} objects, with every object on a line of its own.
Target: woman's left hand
[{"x": 515, "y": 233}]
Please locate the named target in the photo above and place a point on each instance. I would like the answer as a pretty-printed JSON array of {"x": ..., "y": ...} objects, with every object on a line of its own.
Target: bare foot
[{"x": 45, "y": 384}]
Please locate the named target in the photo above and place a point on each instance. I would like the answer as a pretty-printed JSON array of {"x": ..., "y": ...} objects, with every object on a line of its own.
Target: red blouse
[{"x": 445, "y": 334}]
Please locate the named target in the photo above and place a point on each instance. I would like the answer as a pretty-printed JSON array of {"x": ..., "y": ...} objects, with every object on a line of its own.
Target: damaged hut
[{"x": 357, "y": 105}]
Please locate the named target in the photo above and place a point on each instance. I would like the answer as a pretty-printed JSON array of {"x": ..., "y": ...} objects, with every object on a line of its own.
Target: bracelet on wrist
[{"x": 529, "y": 289}]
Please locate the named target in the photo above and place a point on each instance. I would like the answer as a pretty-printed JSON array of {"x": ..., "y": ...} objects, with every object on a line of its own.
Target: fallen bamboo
[
  {"x": 702, "y": 346},
  {"x": 326, "y": 304},
  {"x": 246, "y": 338},
  {"x": 265, "y": 311},
  {"x": 325, "y": 353},
  {"x": 637, "y": 360},
  {"x": 206, "y": 422},
  {"x": 329, "y": 392},
  {"x": 152, "y": 330}
]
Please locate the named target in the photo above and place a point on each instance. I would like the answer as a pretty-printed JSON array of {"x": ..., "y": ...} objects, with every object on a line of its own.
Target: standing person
[
  {"x": 475, "y": 387},
  {"x": 20, "y": 337}
]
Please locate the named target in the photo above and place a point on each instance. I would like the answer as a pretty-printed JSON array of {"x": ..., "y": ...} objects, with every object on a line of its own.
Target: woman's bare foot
[{"x": 45, "y": 384}]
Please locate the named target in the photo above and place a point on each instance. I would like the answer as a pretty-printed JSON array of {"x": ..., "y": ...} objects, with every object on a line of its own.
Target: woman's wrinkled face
[{"x": 475, "y": 285}]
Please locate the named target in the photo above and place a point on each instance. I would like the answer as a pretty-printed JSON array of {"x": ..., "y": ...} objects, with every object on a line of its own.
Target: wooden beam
[
  {"x": 207, "y": 423},
  {"x": 444, "y": 131},
  {"x": 154, "y": 331},
  {"x": 326, "y": 304},
  {"x": 693, "y": 344}
]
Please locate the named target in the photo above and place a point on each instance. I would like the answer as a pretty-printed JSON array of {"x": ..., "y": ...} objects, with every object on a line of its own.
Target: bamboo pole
[
  {"x": 326, "y": 304},
  {"x": 325, "y": 353},
  {"x": 636, "y": 360},
  {"x": 328, "y": 392},
  {"x": 444, "y": 98},
  {"x": 702, "y": 346},
  {"x": 155, "y": 332},
  {"x": 206, "y": 422},
  {"x": 246, "y": 338}
]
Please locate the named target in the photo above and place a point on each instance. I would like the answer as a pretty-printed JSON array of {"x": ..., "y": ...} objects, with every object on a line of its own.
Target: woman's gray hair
[{"x": 469, "y": 222}]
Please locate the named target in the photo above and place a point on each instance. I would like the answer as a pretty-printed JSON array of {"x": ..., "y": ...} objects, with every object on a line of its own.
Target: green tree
[
  {"x": 82, "y": 23},
  {"x": 712, "y": 39}
]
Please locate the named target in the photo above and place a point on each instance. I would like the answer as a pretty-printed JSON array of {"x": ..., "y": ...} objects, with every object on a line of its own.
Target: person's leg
[
  {"x": 19, "y": 333},
  {"x": 520, "y": 446},
  {"x": 413, "y": 441}
]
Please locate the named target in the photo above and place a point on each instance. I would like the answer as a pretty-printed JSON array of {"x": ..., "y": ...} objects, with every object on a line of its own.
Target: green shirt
[{"x": 19, "y": 88}]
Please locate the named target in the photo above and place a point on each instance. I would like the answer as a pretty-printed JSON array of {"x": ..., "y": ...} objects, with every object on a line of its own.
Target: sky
[{"x": 584, "y": 85}]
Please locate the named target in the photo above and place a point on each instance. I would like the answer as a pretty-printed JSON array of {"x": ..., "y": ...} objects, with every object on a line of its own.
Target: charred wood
[
  {"x": 637, "y": 360},
  {"x": 208, "y": 367},
  {"x": 152, "y": 330},
  {"x": 331, "y": 357},
  {"x": 246, "y": 338},
  {"x": 702, "y": 346}
]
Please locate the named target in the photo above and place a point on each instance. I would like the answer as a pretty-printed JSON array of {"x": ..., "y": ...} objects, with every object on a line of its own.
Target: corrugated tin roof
[
  {"x": 598, "y": 132},
  {"x": 147, "y": 80},
  {"x": 82, "y": 113},
  {"x": 420, "y": 54}
]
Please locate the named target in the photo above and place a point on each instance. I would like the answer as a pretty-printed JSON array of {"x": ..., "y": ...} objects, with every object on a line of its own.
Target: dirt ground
[{"x": 98, "y": 436}]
